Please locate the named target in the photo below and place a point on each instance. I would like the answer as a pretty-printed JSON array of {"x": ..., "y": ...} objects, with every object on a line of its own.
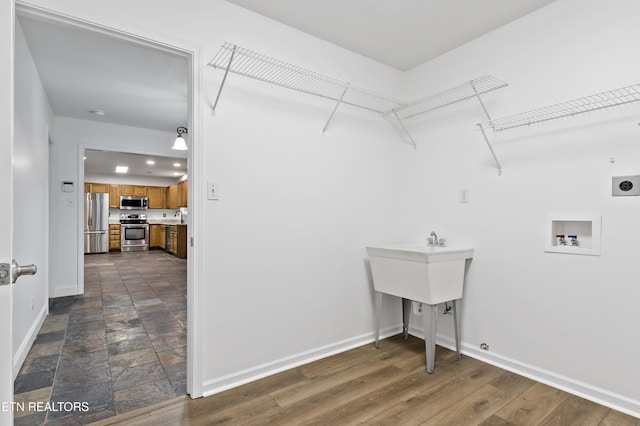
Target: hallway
[{"x": 119, "y": 347}]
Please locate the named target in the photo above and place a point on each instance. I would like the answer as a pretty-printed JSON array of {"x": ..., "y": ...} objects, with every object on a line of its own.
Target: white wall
[
  {"x": 70, "y": 138},
  {"x": 566, "y": 319},
  {"x": 283, "y": 250},
  {"x": 286, "y": 273},
  {"x": 31, "y": 199}
]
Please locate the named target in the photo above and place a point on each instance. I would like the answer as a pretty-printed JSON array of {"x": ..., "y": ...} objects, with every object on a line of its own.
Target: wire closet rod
[{"x": 582, "y": 105}]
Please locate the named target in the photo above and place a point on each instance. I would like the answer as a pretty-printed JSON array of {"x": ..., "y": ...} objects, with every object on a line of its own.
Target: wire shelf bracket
[{"x": 600, "y": 101}]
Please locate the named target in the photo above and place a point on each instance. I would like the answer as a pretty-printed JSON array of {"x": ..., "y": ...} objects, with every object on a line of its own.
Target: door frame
[
  {"x": 193, "y": 55},
  {"x": 7, "y": 49}
]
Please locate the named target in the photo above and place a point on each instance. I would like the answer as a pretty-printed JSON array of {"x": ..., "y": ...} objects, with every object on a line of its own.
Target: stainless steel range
[{"x": 134, "y": 232}]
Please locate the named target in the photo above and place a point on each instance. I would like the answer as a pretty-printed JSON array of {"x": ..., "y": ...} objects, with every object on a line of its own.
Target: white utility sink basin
[
  {"x": 426, "y": 274},
  {"x": 422, "y": 273}
]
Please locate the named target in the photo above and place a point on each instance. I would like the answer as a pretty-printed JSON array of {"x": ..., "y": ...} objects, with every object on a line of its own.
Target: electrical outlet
[{"x": 464, "y": 195}]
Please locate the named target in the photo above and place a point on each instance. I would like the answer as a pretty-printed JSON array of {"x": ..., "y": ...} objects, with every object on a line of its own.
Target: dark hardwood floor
[{"x": 388, "y": 386}]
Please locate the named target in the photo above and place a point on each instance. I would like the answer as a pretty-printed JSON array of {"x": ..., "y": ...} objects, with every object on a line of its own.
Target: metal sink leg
[
  {"x": 430, "y": 326},
  {"x": 378, "y": 315},
  {"x": 456, "y": 326},
  {"x": 406, "y": 315}
]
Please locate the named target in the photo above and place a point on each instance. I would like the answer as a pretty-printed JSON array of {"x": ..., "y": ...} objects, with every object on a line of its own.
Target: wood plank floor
[{"x": 387, "y": 386}]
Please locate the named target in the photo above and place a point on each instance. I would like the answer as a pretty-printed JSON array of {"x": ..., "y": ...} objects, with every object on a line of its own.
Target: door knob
[{"x": 18, "y": 270}]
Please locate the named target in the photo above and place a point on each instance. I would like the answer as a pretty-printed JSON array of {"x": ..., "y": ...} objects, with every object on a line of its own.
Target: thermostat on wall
[{"x": 625, "y": 186}]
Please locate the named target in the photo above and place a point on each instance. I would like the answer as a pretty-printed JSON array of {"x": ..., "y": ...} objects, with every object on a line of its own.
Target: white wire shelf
[
  {"x": 468, "y": 90},
  {"x": 245, "y": 62},
  {"x": 241, "y": 61},
  {"x": 586, "y": 104}
]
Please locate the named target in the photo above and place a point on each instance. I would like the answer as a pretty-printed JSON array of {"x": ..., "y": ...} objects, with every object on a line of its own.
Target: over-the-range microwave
[{"x": 130, "y": 202}]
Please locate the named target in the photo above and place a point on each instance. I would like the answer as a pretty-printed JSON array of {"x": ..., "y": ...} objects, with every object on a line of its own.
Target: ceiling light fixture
[
  {"x": 176, "y": 164},
  {"x": 122, "y": 169},
  {"x": 180, "y": 144},
  {"x": 151, "y": 162}
]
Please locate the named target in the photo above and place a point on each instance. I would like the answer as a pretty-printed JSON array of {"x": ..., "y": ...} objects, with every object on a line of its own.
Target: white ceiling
[
  {"x": 399, "y": 33},
  {"x": 134, "y": 85},
  {"x": 83, "y": 71},
  {"x": 104, "y": 162}
]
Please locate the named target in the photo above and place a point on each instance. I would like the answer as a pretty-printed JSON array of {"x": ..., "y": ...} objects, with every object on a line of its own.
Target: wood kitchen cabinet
[
  {"x": 126, "y": 190},
  {"x": 114, "y": 237},
  {"x": 153, "y": 236},
  {"x": 114, "y": 196},
  {"x": 136, "y": 190},
  {"x": 96, "y": 187},
  {"x": 156, "y": 197},
  {"x": 162, "y": 236},
  {"x": 178, "y": 241},
  {"x": 173, "y": 197},
  {"x": 183, "y": 190}
]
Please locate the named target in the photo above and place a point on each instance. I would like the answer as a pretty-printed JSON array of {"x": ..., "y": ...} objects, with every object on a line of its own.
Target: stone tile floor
[{"x": 119, "y": 347}]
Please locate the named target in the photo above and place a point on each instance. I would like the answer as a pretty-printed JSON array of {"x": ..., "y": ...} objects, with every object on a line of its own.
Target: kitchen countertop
[{"x": 153, "y": 222}]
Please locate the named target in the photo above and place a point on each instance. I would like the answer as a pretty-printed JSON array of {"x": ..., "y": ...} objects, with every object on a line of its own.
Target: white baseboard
[
  {"x": 63, "y": 292},
  {"x": 550, "y": 378},
  {"x": 567, "y": 384},
  {"x": 242, "y": 377},
  {"x": 21, "y": 353}
]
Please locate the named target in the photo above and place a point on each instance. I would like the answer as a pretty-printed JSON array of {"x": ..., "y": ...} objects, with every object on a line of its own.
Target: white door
[{"x": 6, "y": 211}]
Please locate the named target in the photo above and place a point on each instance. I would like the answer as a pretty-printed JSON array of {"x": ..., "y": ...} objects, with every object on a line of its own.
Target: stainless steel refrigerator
[{"x": 96, "y": 223}]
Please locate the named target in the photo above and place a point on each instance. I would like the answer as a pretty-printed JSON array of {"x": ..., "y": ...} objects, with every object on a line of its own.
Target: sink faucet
[
  {"x": 435, "y": 237},
  {"x": 434, "y": 241}
]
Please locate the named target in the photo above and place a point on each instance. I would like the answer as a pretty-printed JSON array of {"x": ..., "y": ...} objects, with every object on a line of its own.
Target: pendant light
[{"x": 180, "y": 144}]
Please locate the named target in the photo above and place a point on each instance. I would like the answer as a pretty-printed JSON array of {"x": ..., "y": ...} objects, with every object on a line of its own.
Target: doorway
[{"x": 60, "y": 300}]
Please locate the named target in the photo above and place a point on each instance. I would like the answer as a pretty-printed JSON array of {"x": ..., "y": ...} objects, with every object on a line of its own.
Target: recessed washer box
[{"x": 624, "y": 186}]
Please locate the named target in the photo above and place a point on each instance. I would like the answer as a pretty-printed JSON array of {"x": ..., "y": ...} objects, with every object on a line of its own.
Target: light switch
[
  {"x": 213, "y": 190},
  {"x": 464, "y": 195}
]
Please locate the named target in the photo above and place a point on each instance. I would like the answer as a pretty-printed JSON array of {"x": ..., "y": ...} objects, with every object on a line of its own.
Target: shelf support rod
[
  {"x": 486, "y": 139},
  {"x": 405, "y": 129},
  {"x": 224, "y": 79},
  {"x": 484, "y": 134},
  {"x": 335, "y": 108}
]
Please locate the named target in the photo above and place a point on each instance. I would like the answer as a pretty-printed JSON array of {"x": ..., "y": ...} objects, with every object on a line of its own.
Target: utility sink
[
  {"x": 427, "y": 274},
  {"x": 421, "y": 273}
]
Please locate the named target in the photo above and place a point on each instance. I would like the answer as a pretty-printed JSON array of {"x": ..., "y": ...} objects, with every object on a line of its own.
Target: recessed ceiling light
[
  {"x": 122, "y": 169},
  {"x": 84, "y": 158},
  {"x": 151, "y": 162},
  {"x": 177, "y": 173},
  {"x": 176, "y": 164},
  {"x": 97, "y": 112}
]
